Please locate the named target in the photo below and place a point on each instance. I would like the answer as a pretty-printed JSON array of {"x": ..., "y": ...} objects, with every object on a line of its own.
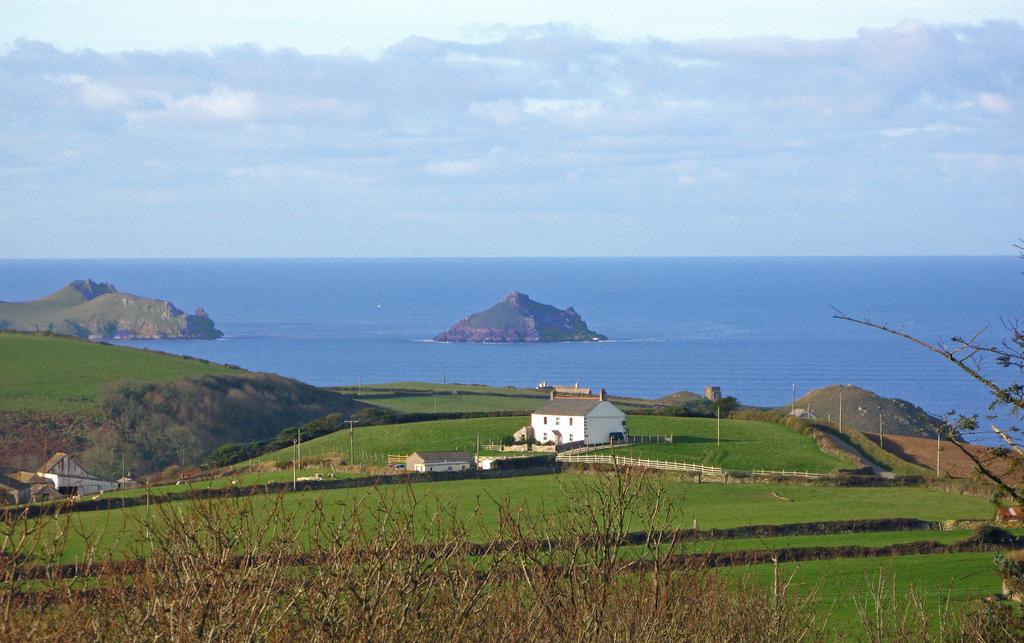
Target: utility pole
[
  {"x": 359, "y": 389},
  {"x": 840, "y": 412},
  {"x": 880, "y": 431},
  {"x": 718, "y": 418},
  {"x": 938, "y": 450},
  {"x": 294, "y": 472},
  {"x": 792, "y": 407},
  {"x": 352, "y": 440},
  {"x": 300, "y": 444}
]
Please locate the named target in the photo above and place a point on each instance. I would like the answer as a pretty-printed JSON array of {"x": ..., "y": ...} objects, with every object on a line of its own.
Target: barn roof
[
  {"x": 53, "y": 461},
  {"x": 12, "y": 483},
  {"x": 568, "y": 406},
  {"x": 444, "y": 456}
]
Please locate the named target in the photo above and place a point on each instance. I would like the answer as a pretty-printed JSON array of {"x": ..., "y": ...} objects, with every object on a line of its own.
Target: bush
[{"x": 992, "y": 535}]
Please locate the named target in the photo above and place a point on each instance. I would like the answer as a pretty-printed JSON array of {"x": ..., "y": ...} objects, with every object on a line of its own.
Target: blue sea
[{"x": 754, "y": 326}]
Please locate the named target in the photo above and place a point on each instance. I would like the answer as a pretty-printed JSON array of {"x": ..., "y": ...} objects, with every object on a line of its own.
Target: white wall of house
[
  {"x": 604, "y": 420},
  {"x": 592, "y": 428},
  {"x": 557, "y": 428},
  {"x": 441, "y": 466}
]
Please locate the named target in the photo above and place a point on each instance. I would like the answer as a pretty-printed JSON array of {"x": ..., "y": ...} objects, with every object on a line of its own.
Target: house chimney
[{"x": 604, "y": 395}]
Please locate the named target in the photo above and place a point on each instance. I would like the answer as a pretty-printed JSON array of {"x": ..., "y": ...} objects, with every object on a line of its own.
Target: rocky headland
[
  {"x": 519, "y": 319},
  {"x": 95, "y": 310}
]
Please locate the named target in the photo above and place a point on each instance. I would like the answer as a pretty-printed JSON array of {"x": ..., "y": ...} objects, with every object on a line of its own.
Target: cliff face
[
  {"x": 94, "y": 310},
  {"x": 517, "y": 318}
]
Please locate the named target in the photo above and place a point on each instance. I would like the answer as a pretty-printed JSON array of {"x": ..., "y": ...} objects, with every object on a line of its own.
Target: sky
[{"x": 319, "y": 129}]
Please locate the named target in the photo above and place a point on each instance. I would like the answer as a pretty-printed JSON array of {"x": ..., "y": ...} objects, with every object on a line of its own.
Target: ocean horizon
[{"x": 755, "y": 326}]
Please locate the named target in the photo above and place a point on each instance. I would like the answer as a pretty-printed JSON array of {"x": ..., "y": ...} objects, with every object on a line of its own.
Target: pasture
[
  {"x": 57, "y": 374},
  {"x": 550, "y": 498}
]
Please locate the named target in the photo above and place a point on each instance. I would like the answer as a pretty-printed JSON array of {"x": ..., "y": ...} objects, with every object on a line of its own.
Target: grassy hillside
[
  {"x": 374, "y": 443},
  {"x": 745, "y": 445},
  {"x": 428, "y": 397},
  {"x": 862, "y": 409},
  {"x": 477, "y": 502},
  {"x": 57, "y": 374},
  {"x": 103, "y": 402}
]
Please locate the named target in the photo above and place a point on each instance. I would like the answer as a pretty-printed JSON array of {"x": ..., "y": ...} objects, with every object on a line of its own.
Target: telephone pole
[
  {"x": 352, "y": 440},
  {"x": 938, "y": 451},
  {"x": 880, "y": 431},
  {"x": 840, "y": 412},
  {"x": 718, "y": 418},
  {"x": 792, "y": 407}
]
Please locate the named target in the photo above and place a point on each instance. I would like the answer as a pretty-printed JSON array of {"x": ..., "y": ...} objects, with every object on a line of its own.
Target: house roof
[
  {"x": 568, "y": 406},
  {"x": 443, "y": 456},
  {"x": 1011, "y": 512}
]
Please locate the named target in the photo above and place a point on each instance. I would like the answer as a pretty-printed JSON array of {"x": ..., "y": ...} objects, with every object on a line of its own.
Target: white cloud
[
  {"x": 552, "y": 120},
  {"x": 455, "y": 168},
  {"x": 562, "y": 109},
  {"x": 995, "y": 103},
  {"x": 501, "y": 112},
  {"x": 931, "y": 128},
  {"x": 222, "y": 104}
]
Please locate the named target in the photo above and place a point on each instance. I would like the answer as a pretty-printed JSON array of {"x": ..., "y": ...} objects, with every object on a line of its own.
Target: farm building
[
  {"x": 577, "y": 418},
  {"x": 1010, "y": 515},
  {"x": 70, "y": 478},
  {"x": 40, "y": 488},
  {"x": 423, "y": 461},
  {"x": 13, "y": 492}
]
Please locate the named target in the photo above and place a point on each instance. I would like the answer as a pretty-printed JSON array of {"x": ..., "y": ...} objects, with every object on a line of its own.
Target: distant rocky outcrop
[
  {"x": 862, "y": 408},
  {"x": 96, "y": 310},
  {"x": 517, "y": 318}
]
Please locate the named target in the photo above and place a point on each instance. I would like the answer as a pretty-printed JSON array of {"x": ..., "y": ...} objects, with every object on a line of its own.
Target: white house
[
  {"x": 70, "y": 478},
  {"x": 587, "y": 419},
  {"x": 422, "y": 461}
]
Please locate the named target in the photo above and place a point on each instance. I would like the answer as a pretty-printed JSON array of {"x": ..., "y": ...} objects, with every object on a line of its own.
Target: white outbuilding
[
  {"x": 427, "y": 461},
  {"x": 584, "y": 419}
]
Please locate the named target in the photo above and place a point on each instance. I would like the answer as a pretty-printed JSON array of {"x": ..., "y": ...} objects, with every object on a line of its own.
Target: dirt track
[{"x": 952, "y": 461}]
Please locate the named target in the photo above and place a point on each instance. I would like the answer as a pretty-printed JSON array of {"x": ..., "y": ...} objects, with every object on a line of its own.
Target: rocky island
[
  {"x": 517, "y": 318},
  {"x": 94, "y": 310}
]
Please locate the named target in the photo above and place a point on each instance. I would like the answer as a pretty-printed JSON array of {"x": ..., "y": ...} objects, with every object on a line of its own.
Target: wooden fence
[
  {"x": 796, "y": 474},
  {"x": 666, "y": 465},
  {"x": 580, "y": 457}
]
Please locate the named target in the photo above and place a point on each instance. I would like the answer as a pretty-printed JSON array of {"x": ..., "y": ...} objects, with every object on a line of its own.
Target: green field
[
  {"x": 455, "y": 403},
  {"x": 421, "y": 397},
  {"x": 249, "y": 479},
  {"x": 712, "y": 505},
  {"x": 837, "y": 586},
  {"x": 745, "y": 445},
  {"x": 47, "y": 373},
  {"x": 374, "y": 443}
]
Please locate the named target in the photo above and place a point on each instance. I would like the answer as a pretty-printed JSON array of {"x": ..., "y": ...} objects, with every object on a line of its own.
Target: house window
[
  {"x": 558, "y": 420},
  {"x": 570, "y": 421},
  {"x": 545, "y": 419}
]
